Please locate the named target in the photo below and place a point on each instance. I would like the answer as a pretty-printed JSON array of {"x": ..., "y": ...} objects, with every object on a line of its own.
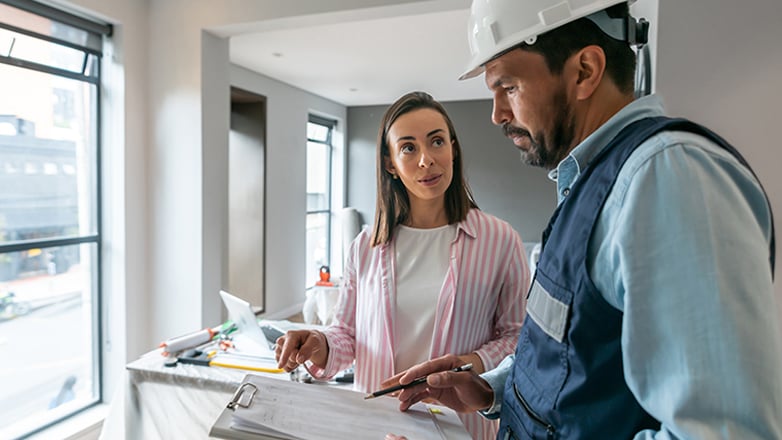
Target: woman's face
[{"x": 421, "y": 154}]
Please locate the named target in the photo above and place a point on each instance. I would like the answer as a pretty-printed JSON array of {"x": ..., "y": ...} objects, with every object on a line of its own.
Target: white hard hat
[{"x": 498, "y": 25}]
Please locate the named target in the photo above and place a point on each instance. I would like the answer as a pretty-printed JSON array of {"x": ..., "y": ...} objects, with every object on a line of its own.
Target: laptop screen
[{"x": 249, "y": 336}]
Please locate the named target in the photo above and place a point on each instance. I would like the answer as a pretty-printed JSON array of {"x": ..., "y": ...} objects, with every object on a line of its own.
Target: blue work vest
[{"x": 567, "y": 381}]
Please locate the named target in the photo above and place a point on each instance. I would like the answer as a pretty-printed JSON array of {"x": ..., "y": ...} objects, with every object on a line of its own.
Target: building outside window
[
  {"x": 319, "y": 215},
  {"x": 50, "y": 231}
]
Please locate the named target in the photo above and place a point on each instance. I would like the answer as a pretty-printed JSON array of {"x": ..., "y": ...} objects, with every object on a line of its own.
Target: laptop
[{"x": 249, "y": 338}]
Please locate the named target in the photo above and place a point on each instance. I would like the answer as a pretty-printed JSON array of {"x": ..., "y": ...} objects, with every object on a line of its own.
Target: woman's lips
[{"x": 430, "y": 180}]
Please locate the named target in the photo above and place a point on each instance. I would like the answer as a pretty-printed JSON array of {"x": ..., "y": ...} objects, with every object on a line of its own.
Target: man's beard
[{"x": 542, "y": 152}]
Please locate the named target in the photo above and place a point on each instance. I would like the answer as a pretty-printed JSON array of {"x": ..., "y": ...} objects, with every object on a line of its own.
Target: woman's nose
[{"x": 425, "y": 160}]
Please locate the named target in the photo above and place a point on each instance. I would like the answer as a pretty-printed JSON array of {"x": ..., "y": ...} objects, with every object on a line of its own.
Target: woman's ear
[
  {"x": 590, "y": 65},
  {"x": 389, "y": 166}
]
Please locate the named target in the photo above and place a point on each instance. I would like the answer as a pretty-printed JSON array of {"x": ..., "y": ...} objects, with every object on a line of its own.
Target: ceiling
[{"x": 368, "y": 61}]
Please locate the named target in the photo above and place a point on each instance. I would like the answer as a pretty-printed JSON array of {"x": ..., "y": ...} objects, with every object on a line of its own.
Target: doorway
[{"x": 247, "y": 197}]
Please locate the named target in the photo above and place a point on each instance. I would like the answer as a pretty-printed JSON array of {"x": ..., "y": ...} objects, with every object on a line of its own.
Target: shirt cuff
[
  {"x": 496, "y": 379},
  {"x": 329, "y": 370}
]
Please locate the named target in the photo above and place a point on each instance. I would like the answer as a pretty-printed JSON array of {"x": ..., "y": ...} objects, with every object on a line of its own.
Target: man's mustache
[{"x": 510, "y": 130}]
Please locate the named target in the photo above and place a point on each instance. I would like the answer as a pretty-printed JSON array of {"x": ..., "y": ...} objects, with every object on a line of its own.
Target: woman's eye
[
  {"x": 438, "y": 142},
  {"x": 406, "y": 148}
]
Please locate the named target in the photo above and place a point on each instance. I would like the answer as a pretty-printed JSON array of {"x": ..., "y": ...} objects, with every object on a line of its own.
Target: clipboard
[{"x": 266, "y": 408}]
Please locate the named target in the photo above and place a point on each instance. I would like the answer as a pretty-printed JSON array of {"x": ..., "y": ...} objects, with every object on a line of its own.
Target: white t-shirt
[{"x": 422, "y": 258}]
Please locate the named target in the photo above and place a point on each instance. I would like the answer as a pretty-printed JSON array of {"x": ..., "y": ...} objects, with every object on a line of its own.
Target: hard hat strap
[{"x": 635, "y": 32}]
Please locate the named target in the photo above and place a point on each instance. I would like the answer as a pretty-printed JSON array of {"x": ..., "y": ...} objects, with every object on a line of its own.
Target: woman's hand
[
  {"x": 463, "y": 391},
  {"x": 298, "y": 346}
]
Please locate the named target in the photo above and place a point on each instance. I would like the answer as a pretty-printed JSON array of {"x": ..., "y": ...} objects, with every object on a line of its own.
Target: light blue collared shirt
[{"x": 681, "y": 247}]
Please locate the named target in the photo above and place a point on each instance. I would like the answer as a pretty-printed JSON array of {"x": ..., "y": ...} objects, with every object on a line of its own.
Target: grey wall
[
  {"x": 501, "y": 183},
  {"x": 719, "y": 63},
  {"x": 286, "y": 139}
]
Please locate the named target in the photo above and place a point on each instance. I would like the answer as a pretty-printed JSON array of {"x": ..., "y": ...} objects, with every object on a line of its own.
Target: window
[
  {"x": 319, "y": 152},
  {"x": 50, "y": 231}
]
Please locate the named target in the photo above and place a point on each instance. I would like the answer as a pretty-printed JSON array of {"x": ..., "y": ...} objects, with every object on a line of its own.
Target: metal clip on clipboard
[{"x": 237, "y": 399}]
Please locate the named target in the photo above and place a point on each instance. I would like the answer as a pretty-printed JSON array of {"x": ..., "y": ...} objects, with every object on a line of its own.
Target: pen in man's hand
[{"x": 420, "y": 380}]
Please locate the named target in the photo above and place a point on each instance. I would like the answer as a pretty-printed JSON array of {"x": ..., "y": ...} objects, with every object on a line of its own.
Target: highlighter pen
[
  {"x": 246, "y": 367},
  {"x": 205, "y": 360},
  {"x": 420, "y": 380},
  {"x": 219, "y": 363}
]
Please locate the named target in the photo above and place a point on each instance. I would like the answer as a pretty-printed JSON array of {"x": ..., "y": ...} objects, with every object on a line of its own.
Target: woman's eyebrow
[
  {"x": 412, "y": 138},
  {"x": 434, "y": 132}
]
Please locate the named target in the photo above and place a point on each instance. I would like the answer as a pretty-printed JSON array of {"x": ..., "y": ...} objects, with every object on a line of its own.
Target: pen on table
[
  {"x": 420, "y": 380},
  {"x": 246, "y": 367},
  {"x": 198, "y": 358},
  {"x": 213, "y": 363}
]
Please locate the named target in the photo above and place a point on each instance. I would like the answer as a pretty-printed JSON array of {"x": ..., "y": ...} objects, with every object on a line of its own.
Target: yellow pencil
[{"x": 246, "y": 367}]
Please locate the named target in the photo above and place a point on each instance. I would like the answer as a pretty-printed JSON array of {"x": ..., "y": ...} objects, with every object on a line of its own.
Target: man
[{"x": 652, "y": 313}]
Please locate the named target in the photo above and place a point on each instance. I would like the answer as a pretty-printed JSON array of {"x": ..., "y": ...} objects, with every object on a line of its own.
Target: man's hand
[
  {"x": 462, "y": 392},
  {"x": 298, "y": 346}
]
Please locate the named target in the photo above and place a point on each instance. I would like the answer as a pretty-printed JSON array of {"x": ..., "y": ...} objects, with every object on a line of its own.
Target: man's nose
[{"x": 500, "y": 112}]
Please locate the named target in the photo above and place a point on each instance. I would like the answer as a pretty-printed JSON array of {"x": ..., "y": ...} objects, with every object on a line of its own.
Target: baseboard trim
[{"x": 284, "y": 313}]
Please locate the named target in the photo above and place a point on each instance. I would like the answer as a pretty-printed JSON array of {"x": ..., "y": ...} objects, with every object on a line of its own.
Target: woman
[{"x": 435, "y": 276}]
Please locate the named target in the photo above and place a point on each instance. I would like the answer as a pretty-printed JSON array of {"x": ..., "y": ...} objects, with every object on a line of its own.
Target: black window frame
[{"x": 91, "y": 74}]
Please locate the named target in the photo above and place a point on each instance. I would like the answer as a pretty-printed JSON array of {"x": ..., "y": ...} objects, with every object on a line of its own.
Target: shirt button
[{"x": 565, "y": 192}]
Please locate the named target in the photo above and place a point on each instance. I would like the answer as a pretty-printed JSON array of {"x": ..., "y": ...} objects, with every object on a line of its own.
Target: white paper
[
  {"x": 309, "y": 412},
  {"x": 243, "y": 344}
]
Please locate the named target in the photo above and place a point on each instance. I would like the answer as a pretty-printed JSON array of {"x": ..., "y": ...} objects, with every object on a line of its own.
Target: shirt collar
[
  {"x": 469, "y": 225},
  {"x": 570, "y": 167}
]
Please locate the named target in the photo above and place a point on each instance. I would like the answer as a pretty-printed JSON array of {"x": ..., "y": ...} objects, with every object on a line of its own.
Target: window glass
[
  {"x": 49, "y": 231},
  {"x": 6, "y": 42},
  {"x": 317, "y": 176},
  {"x": 317, "y": 245},
  {"x": 317, "y": 132},
  {"x": 318, "y": 241},
  {"x": 43, "y": 52},
  {"x": 47, "y": 27}
]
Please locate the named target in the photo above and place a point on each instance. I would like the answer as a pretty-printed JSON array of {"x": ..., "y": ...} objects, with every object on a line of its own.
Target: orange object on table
[{"x": 325, "y": 276}]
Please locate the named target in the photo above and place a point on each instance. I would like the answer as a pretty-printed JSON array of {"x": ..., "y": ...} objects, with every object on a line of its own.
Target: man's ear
[{"x": 590, "y": 65}]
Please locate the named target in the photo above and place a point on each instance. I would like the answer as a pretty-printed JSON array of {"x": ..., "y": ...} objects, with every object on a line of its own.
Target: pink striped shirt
[{"x": 479, "y": 309}]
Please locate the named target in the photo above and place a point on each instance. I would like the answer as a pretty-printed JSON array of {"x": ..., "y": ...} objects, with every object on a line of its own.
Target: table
[
  {"x": 159, "y": 402},
  {"x": 180, "y": 402}
]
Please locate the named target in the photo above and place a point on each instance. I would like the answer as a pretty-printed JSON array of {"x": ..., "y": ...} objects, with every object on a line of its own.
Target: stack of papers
[{"x": 290, "y": 410}]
